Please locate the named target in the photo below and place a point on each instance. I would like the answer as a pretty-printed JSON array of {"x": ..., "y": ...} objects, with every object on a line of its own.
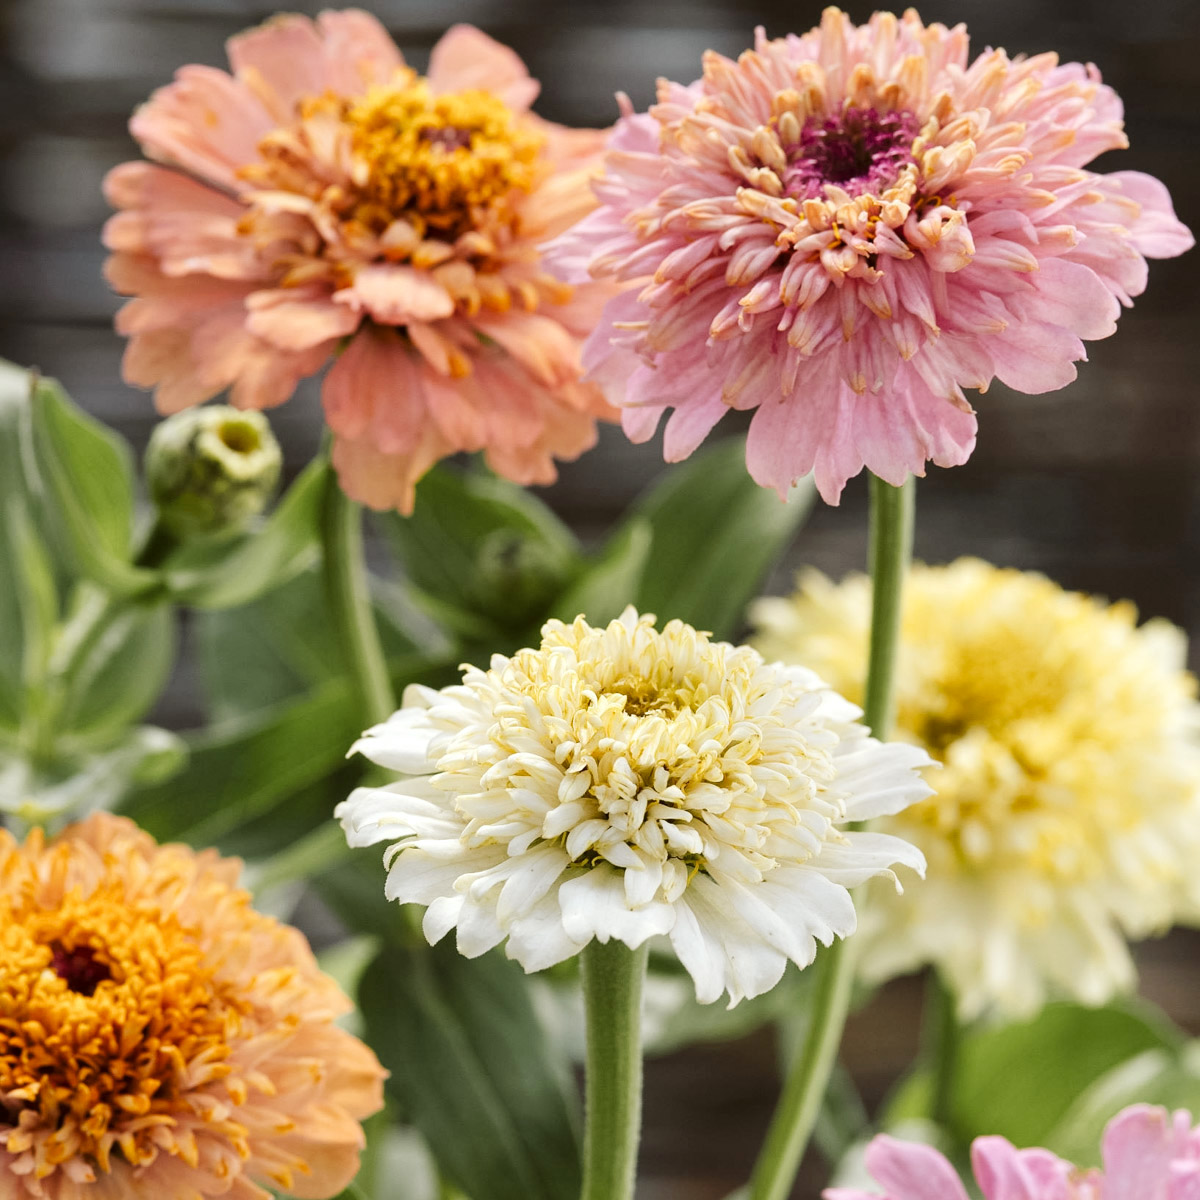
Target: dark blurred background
[{"x": 1097, "y": 485}]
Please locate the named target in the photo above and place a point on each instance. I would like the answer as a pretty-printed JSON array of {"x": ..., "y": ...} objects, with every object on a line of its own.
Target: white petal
[
  {"x": 440, "y": 917},
  {"x": 879, "y": 779},
  {"x": 537, "y": 939},
  {"x": 864, "y": 855},
  {"x": 534, "y": 875},
  {"x": 478, "y": 929},
  {"x": 401, "y": 743},
  {"x": 593, "y": 905},
  {"x": 701, "y": 954},
  {"x": 418, "y": 877}
]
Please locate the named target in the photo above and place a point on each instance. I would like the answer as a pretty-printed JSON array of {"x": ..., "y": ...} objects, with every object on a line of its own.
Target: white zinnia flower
[{"x": 624, "y": 782}]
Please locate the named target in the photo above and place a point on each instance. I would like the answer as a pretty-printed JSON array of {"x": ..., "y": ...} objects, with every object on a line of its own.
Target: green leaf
[
  {"x": 218, "y": 574},
  {"x": 100, "y": 779},
  {"x": 120, "y": 671},
  {"x": 471, "y": 1064},
  {"x": 1154, "y": 1077},
  {"x": 86, "y": 475},
  {"x": 36, "y": 593},
  {"x": 484, "y": 546},
  {"x": 716, "y": 535},
  {"x": 239, "y": 772},
  {"x": 611, "y": 581},
  {"x": 1021, "y": 1080}
]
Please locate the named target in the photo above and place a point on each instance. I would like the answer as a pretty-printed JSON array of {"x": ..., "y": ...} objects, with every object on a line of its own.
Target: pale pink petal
[
  {"x": 1035, "y": 358},
  {"x": 359, "y": 52},
  {"x": 1004, "y": 1174},
  {"x": 1156, "y": 231},
  {"x": 911, "y": 1171},
  {"x": 1071, "y": 295},
  {"x": 206, "y": 122},
  {"x": 466, "y": 58},
  {"x": 374, "y": 390},
  {"x": 297, "y": 318},
  {"x": 539, "y": 343},
  {"x": 394, "y": 294},
  {"x": 384, "y": 481},
  {"x": 282, "y": 61},
  {"x": 1138, "y": 1146}
]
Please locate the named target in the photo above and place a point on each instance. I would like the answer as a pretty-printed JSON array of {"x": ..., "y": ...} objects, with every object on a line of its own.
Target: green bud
[{"x": 211, "y": 470}]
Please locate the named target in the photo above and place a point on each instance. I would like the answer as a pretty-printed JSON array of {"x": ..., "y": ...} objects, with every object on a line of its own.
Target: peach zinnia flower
[
  {"x": 158, "y": 1037},
  {"x": 324, "y": 191},
  {"x": 844, "y": 230}
]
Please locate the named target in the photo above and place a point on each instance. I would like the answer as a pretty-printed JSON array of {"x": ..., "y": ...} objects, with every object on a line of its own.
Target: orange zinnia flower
[
  {"x": 158, "y": 1037},
  {"x": 324, "y": 195}
]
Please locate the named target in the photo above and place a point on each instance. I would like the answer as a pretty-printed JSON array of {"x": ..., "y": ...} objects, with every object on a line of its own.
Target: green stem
[
  {"x": 942, "y": 1036},
  {"x": 350, "y": 600},
  {"x": 612, "y": 991},
  {"x": 804, "y": 1089}
]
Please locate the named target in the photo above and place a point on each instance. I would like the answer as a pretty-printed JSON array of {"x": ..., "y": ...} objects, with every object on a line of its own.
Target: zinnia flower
[
  {"x": 844, "y": 230},
  {"x": 1067, "y": 813},
  {"x": 159, "y": 1039},
  {"x": 622, "y": 782},
  {"x": 324, "y": 195},
  {"x": 1149, "y": 1154}
]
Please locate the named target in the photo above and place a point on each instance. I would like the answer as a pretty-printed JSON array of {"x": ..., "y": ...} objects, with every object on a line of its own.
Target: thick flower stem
[
  {"x": 942, "y": 1034},
  {"x": 804, "y": 1089},
  {"x": 350, "y": 600},
  {"x": 612, "y": 991}
]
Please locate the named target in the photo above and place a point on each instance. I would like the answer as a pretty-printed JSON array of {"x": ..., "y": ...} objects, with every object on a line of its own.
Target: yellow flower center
[
  {"x": 439, "y": 157},
  {"x": 403, "y": 161},
  {"x": 108, "y": 1014}
]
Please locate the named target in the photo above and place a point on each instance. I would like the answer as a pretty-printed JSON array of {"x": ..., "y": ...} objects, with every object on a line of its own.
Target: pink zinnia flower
[
  {"x": 325, "y": 195},
  {"x": 1149, "y": 1154},
  {"x": 844, "y": 230}
]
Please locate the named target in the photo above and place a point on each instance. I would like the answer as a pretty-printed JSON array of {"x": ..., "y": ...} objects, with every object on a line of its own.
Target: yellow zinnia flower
[{"x": 1067, "y": 813}]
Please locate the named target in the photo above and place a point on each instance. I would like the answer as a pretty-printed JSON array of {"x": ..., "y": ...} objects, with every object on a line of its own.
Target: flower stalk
[
  {"x": 943, "y": 1036},
  {"x": 612, "y": 989},
  {"x": 350, "y": 600},
  {"x": 795, "y": 1116}
]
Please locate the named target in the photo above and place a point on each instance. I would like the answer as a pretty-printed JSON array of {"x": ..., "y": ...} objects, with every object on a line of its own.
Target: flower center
[
  {"x": 108, "y": 1012},
  {"x": 441, "y": 157},
  {"x": 80, "y": 967},
  {"x": 861, "y": 150}
]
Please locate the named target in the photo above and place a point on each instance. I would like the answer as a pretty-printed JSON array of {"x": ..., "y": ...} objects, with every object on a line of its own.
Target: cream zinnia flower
[
  {"x": 1067, "y": 814},
  {"x": 622, "y": 782}
]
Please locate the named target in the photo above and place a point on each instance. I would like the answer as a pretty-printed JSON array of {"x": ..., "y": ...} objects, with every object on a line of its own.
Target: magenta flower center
[
  {"x": 860, "y": 149},
  {"x": 83, "y": 972}
]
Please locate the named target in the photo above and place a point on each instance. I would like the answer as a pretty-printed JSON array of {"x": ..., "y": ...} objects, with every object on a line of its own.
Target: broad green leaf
[
  {"x": 219, "y": 574},
  {"x": 86, "y": 474},
  {"x": 83, "y": 783},
  {"x": 1021, "y": 1080},
  {"x": 471, "y": 1064},
  {"x": 15, "y": 500},
  {"x": 484, "y": 546},
  {"x": 610, "y": 582},
  {"x": 37, "y": 596},
  {"x": 1154, "y": 1077},
  {"x": 241, "y": 771},
  {"x": 285, "y": 643},
  {"x": 716, "y": 536},
  {"x": 119, "y": 671}
]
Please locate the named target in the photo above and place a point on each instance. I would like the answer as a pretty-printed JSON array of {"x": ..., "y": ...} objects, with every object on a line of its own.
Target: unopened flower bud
[{"x": 210, "y": 470}]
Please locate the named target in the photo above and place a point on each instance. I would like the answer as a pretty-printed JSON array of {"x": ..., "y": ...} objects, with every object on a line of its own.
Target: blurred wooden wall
[{"x": 1097, "y": 485}]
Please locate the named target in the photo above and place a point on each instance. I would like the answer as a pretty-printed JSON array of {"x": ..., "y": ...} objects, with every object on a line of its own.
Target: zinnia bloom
[
  {"x": 1067, "y": 814},
  {"x": 159, "y": 1039},
  {"x": 844, "y": 230},
  {"x": 1149, "y": 1154},
  {"x": 622, "y": 782},
  {"x": 324, "y": 195}
]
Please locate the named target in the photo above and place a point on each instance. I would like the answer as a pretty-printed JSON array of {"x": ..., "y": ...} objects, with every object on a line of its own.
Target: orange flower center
[
  {"x": 404, "y": 159},
  {"x": 109, "y": 1014}
]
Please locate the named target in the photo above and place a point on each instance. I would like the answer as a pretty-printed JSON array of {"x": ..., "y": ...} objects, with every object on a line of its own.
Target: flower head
[
  {"x": 1149, "y": 1154},
  {"x": 324, "y": 196},
  {"x": 1067, "y": 811},
  {"x": 622, "y": 782},
  {"x": 158, "y": 1037},
  {"x": 212, "y": 469},
  {"x": 844, "y": 230}
]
